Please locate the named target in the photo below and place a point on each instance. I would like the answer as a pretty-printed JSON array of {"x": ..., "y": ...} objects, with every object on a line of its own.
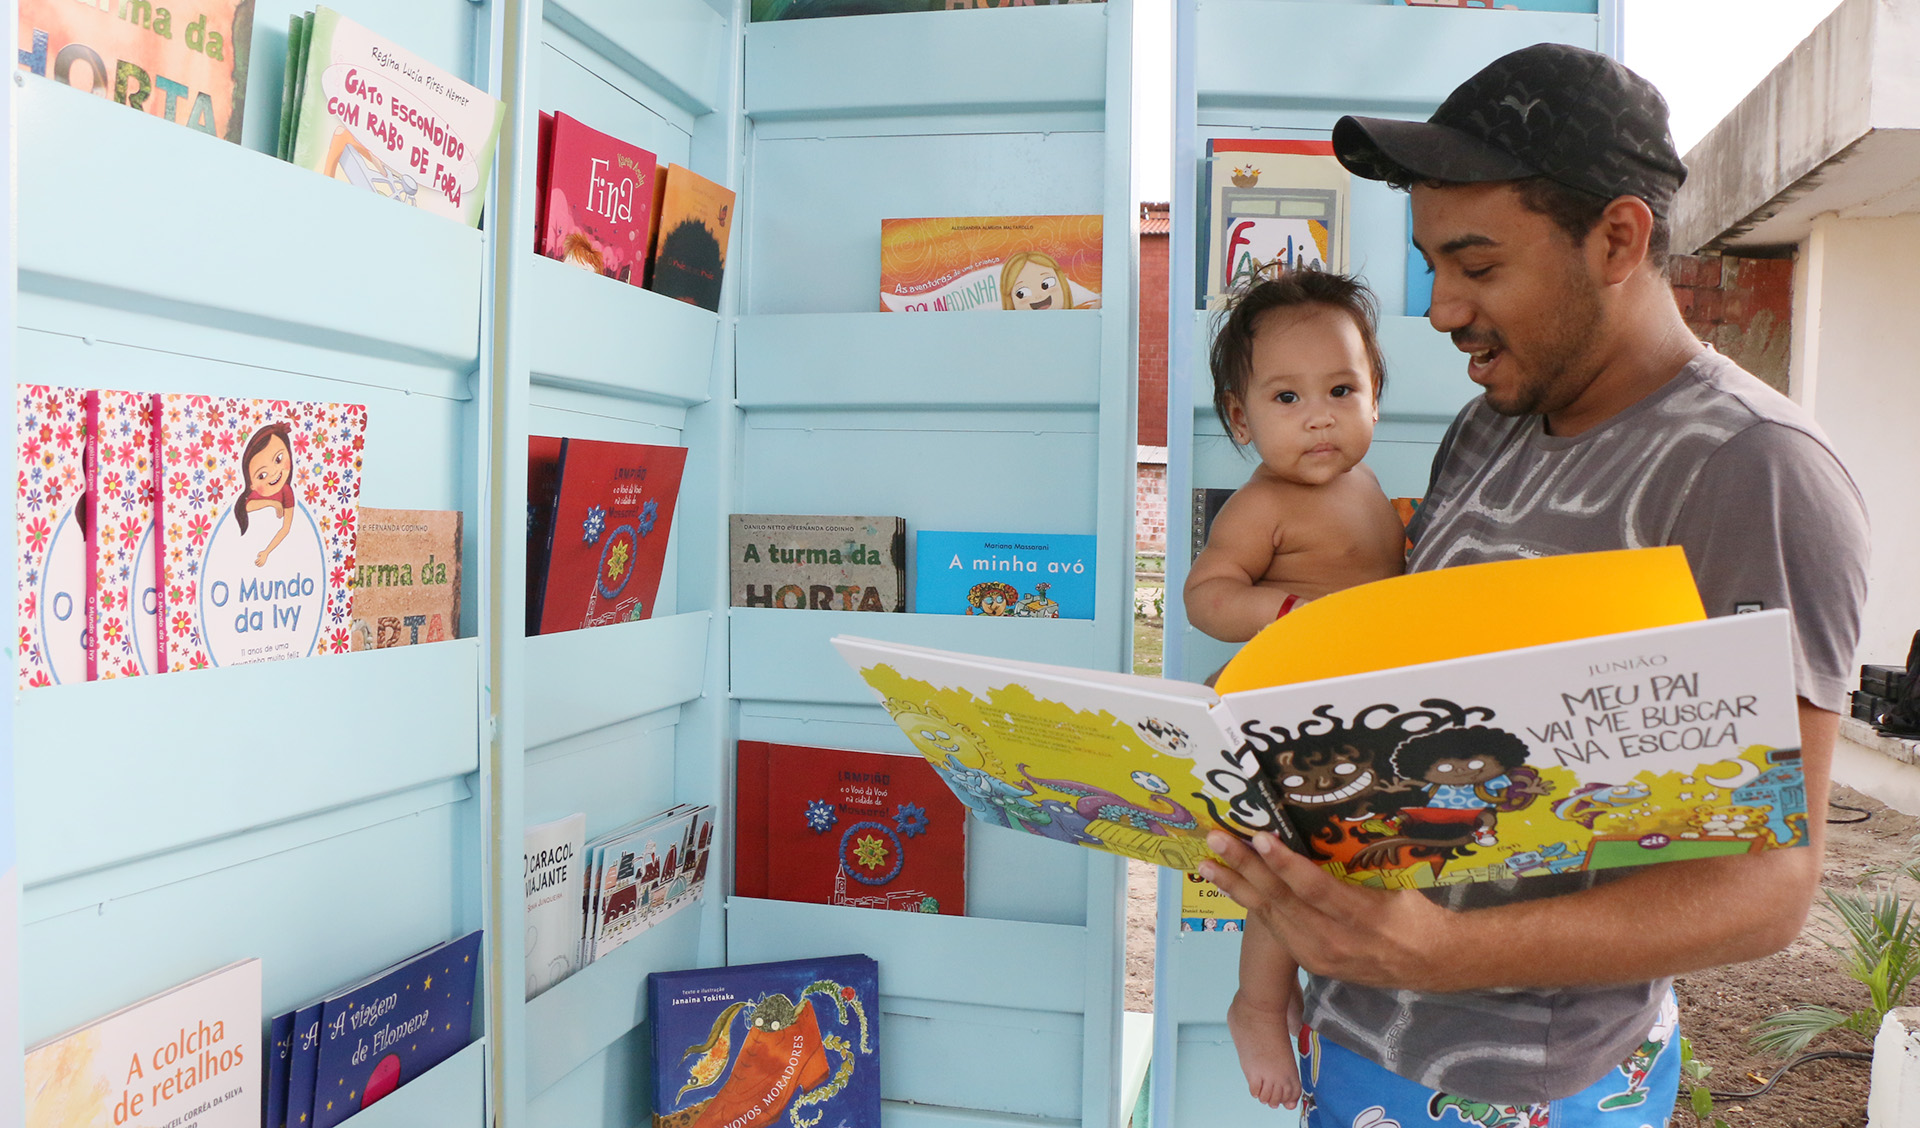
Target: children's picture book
[
  {"x": 831, "y": 826},
  {"x": 406, "y": 577},
  {"x": 597, "y": 205},
  {"x": 1468, "y": 724},
  {"x": 762, "y": 10},
  {"x": 603, "y": 559},
  {"x": 257, "y": 508},
  {"x": 303, "y": 1065},
  {"x": 694, "y": 218},
  {"x": 645, "y": 875},
  {"x": 795, "y": 1042},
  {"x": 543, "y": 479},
  {"x": 1023, "y": 262},
  {"x": 186, "y": 63},
  {"x": 1007, "y": 575},
  {"x": 554, "y": 864},
  {"x": 279, "y": 1057},
  {"x": 379, "y": 1035},
  {"x": 188, "y": 1054},
  {"x": 1204, "y": 908},
  {"x": 381, "y": 118},
  {"x": 123, "y": 596},
  {"x": 818, "y": 562},
  {"x": 542, "y": 168},
  {"x": 1269, "y": 202},
  {"x": 50, "y": 545}
]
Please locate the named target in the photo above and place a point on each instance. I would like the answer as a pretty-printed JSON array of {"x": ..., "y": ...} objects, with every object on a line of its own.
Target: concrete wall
[{"x": 1857, "y": 367}]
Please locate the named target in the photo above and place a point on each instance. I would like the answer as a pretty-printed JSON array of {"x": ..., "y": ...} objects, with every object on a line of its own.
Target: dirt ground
[{"x": 1718, "y": 1008}]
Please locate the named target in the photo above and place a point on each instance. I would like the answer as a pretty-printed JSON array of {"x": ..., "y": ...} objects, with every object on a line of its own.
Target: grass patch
[{"x": 1147, "y": 642}]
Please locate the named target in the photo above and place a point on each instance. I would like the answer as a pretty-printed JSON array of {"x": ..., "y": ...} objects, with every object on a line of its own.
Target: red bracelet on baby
[{"x": 1288, "y": 604}]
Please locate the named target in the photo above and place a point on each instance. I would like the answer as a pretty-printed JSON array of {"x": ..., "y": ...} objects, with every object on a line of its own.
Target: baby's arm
[{"x": 1223, "y": 594}]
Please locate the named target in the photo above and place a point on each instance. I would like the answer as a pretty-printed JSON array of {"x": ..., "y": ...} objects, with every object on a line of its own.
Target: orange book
[
  {"x": 990, "y": 262},
  {"x": 690, "y": 259},
  {"x": 187, "y": 64}
]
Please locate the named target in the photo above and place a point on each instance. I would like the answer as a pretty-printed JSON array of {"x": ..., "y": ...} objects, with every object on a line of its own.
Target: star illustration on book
[
  {"x": 910, "y": 820},
  {"x": 617, "y": 561},
  {"x": 648, "y": 514},
  {"x": 594, "y": 525},
  {"x": 870, "y": 852},
  {"x": 821, "y": 815}
]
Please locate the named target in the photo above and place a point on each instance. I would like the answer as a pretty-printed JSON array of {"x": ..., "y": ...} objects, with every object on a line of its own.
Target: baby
[{"x": 1297, "y": 374}]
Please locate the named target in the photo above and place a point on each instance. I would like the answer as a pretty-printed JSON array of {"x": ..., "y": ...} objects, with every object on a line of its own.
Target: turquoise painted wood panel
[
  {"x": 612, "y": 775},
  {"x": 450, "y": 1095},
  {"x": 872, "y": 361},
  {"x": 613, "y": 1088},
  {"x": 579, "y": 81},
  {"x": 592, "y": 1009},
  {"x": 1210, "y": 1089},
  {"x": 1020, "y": 61},
  {"x": 782, "y": 655},
  {"x": 597, "y": 334},
  {"x": 132, "y": 779},
  {"x": 1368, "y": 58},
  {"x": 678, "y": 47},
  {"x": 898, "y": 1114},
  {"x": 186, "y": 264},
  {"x": 1017, "y": 1062},
  {"x": 811, "y": 211},
  {"x": 578, "y": 681}
]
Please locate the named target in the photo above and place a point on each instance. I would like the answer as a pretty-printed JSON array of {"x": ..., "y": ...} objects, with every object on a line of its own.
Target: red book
[
  {"x": 863, "y": 829},
  {"x": 543, "y": 163},
  {"x": 543, "y": 480},
  {"x": 608, "y": 542},
  {"x": 597, "y": 208}
]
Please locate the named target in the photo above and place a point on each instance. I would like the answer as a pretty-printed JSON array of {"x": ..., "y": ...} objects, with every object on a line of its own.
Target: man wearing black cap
[{"x": 1541, "y": 190}]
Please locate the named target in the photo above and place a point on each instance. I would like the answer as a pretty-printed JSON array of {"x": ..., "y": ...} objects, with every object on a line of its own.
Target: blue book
[
  {"x": 279, "y": 1057},
  {"x": 769, "y": 1044},
  {"x": 376, "y": 1037},
  {"x": 1015, "y": 575},
  {"x": 303, "y": 1058}
]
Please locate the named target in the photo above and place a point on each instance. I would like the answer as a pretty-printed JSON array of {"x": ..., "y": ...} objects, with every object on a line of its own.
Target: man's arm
[{"x": 1663, "y": 920}]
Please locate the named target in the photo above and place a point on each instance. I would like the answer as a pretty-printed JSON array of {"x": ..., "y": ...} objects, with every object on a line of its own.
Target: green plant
[
  {"x": 1882, "y": 953},
  {"x": 1693, "y": 1074}
]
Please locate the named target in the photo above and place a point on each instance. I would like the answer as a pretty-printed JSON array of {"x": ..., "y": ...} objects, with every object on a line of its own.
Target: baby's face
[{"x": 1309, "y": 409}]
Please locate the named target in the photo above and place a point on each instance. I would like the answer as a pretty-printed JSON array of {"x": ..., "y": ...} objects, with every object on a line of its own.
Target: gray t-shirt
[{"x": 1738, "y": 475}]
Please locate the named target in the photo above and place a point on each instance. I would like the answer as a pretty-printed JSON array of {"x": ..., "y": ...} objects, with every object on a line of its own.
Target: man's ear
[{"x": 1620, "y": 239}]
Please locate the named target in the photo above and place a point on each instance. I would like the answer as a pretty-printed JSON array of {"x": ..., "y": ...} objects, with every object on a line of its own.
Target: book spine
[
  {"x": 88, "y": 511},
  {"x": 159, "y": 541},
  {"x": 537, "y": 614}
]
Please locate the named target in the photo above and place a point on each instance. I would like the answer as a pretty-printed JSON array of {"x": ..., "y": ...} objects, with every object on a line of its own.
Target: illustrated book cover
[
  {"x": 830, "y": 826},
  {"x": 1204, "y": 908},
  {"x": 279, "y": 1057},
  {"x": 643, "y": 877},
  {"x": 303, "y": 1064},
  {"x": 406, "y": 577},
  {"x": 543, "y": 158},
  {"x": 123, "y": 596},
  {"x": 382, "y": 1034},
  {"x": 554, "y": 864},
  {"x": 1009, "y": 575},
  {"x": 1268, "y": 202},
  {"x": 1468, "y": 724},
  {"x": 187, "y": 1054},
  {"x": 597, "y": 206},
  {"x": 50, "y": 544},
  {"x": 603, "y": 559},
  {"x": 695, "y": 218},
  {"x": 1022, "y": 262},
  {"x": 257, "y": 503},
  {"x": 616, "y": 842},
  {"x": 776, "y": 1043},
  {"x": 186, "y": 63},
  {"x": 821, "y": 563},
  {"x": 381, "y": 118}
]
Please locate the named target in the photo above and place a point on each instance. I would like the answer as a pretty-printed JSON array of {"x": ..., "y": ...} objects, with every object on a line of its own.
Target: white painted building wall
[{"x": 1856, "y": 365}]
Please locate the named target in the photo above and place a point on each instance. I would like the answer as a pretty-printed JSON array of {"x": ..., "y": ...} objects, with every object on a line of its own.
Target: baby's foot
[{"x": 1266, "y": 1057}]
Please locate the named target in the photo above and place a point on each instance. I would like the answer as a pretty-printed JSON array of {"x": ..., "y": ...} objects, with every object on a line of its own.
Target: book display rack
[
  {"x": 333, "y": 815},
  {"x": 1379, "y": 60}
]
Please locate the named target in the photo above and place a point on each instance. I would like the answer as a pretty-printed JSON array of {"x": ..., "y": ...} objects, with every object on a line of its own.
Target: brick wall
[
  {"x": 1150, "y": 507},
  {"x": 1153, "y": 326},
  {"x": 1741, "y": 306}
]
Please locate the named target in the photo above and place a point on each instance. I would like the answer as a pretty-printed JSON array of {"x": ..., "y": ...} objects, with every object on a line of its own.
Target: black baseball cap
[{"x": 1549, "y": 110}]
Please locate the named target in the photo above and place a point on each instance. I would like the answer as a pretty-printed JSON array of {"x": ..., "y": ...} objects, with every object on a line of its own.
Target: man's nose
[{"x": 1449, "y": 309}]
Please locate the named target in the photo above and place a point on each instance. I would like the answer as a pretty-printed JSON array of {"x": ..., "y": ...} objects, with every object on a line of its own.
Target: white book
[{"x": 553, "y": 865}]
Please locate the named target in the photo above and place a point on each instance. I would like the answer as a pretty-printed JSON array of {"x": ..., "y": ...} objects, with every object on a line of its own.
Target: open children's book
[{"x": 1482, "y": 722}]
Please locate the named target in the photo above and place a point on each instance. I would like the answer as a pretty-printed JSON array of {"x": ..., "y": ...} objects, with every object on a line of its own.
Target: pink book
[
  {"x": 122, "y": 590},
  {"x": 257, "y": 505},
  {"x": 598, "y": 204},
  {"x": 50, "y": 548}
]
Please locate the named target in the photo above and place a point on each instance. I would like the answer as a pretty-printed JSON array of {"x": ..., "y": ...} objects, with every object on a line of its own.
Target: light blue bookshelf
[
  {"x": 167, "y": 826},
  {"x": 1284, "y": 70}
]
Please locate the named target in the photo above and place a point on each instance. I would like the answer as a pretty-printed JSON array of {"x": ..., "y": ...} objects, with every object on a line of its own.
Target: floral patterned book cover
[
  {"x": 50, "y": 548},
  {"x": 123, "y": 596},
  {"x": 994, "y": 262},
  {"x": 607, "y": 545},
  {"x": 257, "y": 513}
]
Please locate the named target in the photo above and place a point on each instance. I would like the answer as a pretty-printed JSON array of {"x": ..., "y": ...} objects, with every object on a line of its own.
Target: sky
[{"x": 1744, "y": 39}]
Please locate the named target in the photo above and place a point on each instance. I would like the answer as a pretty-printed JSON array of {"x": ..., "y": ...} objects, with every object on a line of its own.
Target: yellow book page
[{"x": 1473, "y": 609}]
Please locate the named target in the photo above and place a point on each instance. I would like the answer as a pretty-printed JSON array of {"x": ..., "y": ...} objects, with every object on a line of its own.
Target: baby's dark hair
[
  {"x": 1416, "y": 755},
  {"x": 1232, "y": 356}
]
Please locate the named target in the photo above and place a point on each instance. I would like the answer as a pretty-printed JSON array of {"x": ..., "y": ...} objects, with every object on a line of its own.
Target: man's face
[{"x": 1515, "y": 293}]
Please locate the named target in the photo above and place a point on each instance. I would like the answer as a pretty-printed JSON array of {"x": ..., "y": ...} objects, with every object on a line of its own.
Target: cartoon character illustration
[
  {"x": 1469, "y": 772},
  {"x": 992, "y": 598},
  {"x": 1779, "y": 789},
  {"x": 784, "y": 1060},
  {"x": 349, "y": 160},
  {"x": 579, "y": 250},
  {"x": 1640, "y": 1063},
  {"x": 1556, "y": 857},
  {"x": 1488, "y": 1115},
  {"x": 1728, "y": 822},
  {"x": 1036, "y": 605},
  {"x": 992, "y": 799},
  {"x": 1163, "y": 816},
  {"x": 1587, "y": 803},
  {"x": 1033, "y": 280},
  {"x": 267, "y": 472}
]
